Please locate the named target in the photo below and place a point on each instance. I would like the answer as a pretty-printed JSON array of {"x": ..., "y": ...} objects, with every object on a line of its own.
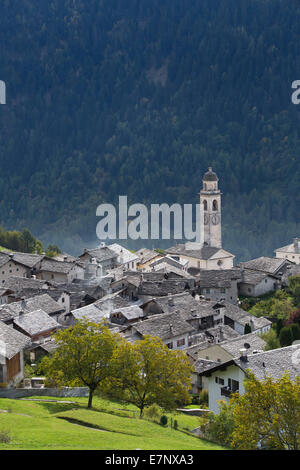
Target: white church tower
[{"x": 210, "y": 197}]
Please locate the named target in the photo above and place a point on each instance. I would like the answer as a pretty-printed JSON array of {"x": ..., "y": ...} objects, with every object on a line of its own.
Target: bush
[
  {"x": 285, "y": 337},
  {"x": 203, "y": 397},
  {"x": 295, "y": 329},
  {"x": 195, "y": 400},
  {"x": 219, "y": 428},
  {"x": 164, "y": 420},
  {"x": 4, "y": 437},
  {"x": 153, "y": 412}
]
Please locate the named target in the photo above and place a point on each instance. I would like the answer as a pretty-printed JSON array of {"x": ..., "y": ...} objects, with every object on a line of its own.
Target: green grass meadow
[{"x": 49, "y": 425}]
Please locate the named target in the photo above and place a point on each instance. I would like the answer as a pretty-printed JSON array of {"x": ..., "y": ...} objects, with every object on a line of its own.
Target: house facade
[{"x": 12, "y": 346}]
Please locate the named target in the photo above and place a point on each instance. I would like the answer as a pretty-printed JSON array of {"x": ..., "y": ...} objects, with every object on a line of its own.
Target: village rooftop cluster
[{"x": 188, "y": 297}]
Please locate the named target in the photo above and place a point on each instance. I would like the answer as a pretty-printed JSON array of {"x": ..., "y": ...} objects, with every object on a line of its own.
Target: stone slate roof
[
  {"x": 11, "y": 341},
  {"x": 222, "y": 332},
  {"x": 130, "y": 313},
  {"x": 201, "y": 365},
  {"x": 135, "y": 280},
  {"x": 40, "y": 302},
  {"x": 242, "y": 317},
  {"x": 35, "y": 322},
  {"x": 18, "y": 283},
  {"x": 165, "y": 287},
  {"x": 124, "y": 255},
  {"x": 64, "y": 257},
  {"x": 265, "y": 264},
  {"x": 43, "y": 302},
  {"x": 165, "y": 326},
  {"x": 54, "y": 266},
  {"x": 205, "y": 253},
  {"x": 211, "y": 336},
  {"x": 169, "y": 269},
  {"x": 146, "y": 255},
  {"x": 272, "y": 363},
  {"x": 89, "y": 312},
  {"x": 27, "y": 259},
  {"x": 186, "y": 305},
  {"x": 6, "y": 314},
  {"x": 4, "y": 258},
  {"x": 215, "y": 278},
  {"x": 169, "y": 260},
  {"x": 234, "y": 346},
  {"x": 48, "y": 346},
  {"x": 254, "y": 278},
  {"x": 111, "y": 302},
  {"x": 102, "y": 253}
]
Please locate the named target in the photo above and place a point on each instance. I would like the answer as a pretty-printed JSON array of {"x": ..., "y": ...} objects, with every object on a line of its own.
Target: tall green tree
[
  {"x": 268, "y": 413},
  {"x": 83, "y": 357},
  {"x": 147, "y": 372}
]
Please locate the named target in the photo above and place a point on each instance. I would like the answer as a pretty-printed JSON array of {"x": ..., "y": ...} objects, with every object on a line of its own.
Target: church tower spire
[{"x": 210, "y": 197}]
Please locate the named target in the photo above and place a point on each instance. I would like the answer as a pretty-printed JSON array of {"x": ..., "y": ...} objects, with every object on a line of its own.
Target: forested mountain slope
[{"x": 107, "y": 97}]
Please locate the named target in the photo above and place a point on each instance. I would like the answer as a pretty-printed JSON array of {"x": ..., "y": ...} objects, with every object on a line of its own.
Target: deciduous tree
[
  {"x": 267, "y": 414},
  {"x": 84, "y": 356},
  {"x": 147, "y": 372}
]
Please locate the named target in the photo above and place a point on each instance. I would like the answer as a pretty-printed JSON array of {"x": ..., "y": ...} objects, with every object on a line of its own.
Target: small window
[
  {"x": 233, "y": 385},
  {"x": 219, "y": 381},
  {"x": 63, "y": 300},
  {"x": 170, "y": 345},
  {"x": 181, "y": 342}
]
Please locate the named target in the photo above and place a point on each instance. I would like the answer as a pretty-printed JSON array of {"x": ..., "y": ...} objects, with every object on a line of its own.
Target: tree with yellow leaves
[
  {"x": 147, "y": 372},
  {"x": 83, "y": 357},
  {"x": 267, "y": 415}
]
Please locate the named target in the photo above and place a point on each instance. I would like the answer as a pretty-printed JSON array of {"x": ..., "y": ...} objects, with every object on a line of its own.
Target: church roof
[
  {"x": 205, "y": 253},
  {"x": 210, "y": 175}
]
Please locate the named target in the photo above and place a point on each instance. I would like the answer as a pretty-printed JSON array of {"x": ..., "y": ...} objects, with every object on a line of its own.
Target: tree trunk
[{"x": 91, "y": 392}]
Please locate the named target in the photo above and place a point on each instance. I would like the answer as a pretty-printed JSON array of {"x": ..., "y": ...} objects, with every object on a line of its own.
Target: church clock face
[
  {"x": 206, "y": 219},
  {"x": 215, "y": 219}
]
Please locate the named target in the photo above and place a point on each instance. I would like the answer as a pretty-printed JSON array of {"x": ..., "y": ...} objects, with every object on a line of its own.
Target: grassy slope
[{"x": 37, "y": 425}]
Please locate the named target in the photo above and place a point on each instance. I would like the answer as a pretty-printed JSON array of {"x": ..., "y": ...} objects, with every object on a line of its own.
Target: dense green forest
[{"x": 107, "y": 97}]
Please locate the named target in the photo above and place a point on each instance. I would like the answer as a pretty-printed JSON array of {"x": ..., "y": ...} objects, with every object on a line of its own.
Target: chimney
[
  {"x": 65, "y": 258},
  {"x": 221, "y": 334},
  {"x": 171, "y": 328},
  {"x": 170, "y": 300},
  {"x": 243, "y": 355},
  {"x": 251, "y": 323},
  {"x": 23, "y": 304}
]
